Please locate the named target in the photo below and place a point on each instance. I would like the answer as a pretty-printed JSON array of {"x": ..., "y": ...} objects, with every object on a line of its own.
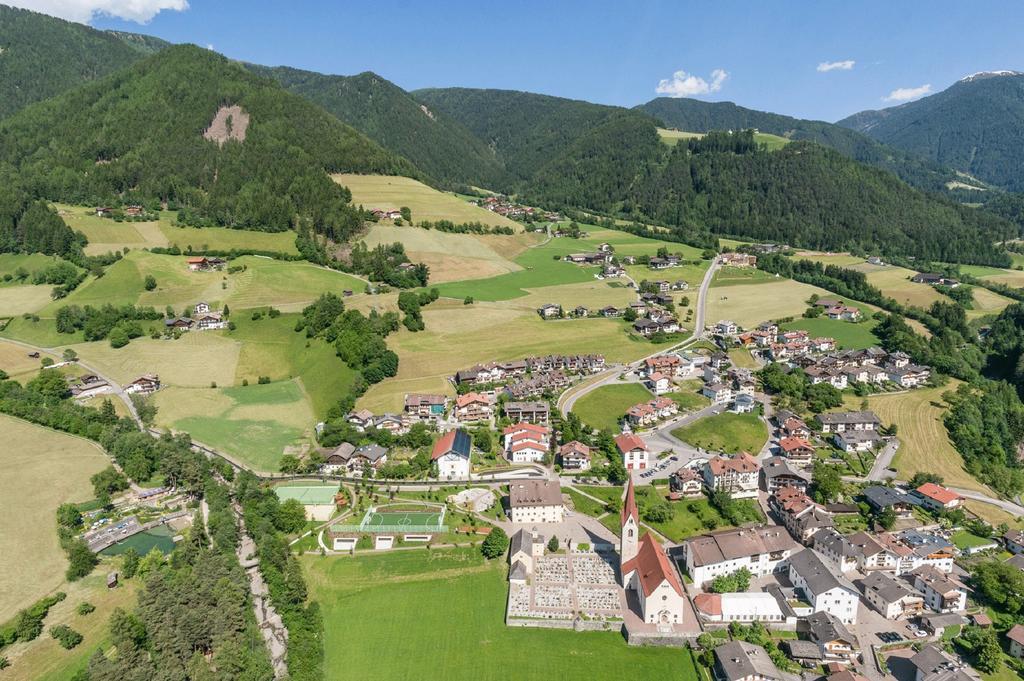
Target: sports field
[
  {"x": 604, "y": 407},
  {"x": 312, "y": 495},
  {"x": 43, "y": 469},
  {"x": 388, "y": 520},
  {"x": 389, "y": 192},
  {"x": 924, "y": 442},
  {"x": 726, "y": 432},
  {"x": 459, "y": 608},
  {"x": 255, "y": 424}
]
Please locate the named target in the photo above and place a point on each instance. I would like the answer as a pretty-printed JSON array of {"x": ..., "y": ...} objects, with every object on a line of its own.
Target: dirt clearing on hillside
[{"x": 230, "y": 123}]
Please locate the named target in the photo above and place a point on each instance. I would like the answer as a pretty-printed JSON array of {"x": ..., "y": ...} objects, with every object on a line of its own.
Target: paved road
[
  {"x": 569, "y": 397},
  {"x": 1008, "y": 506},
  {"x": 879, "y": 471}
]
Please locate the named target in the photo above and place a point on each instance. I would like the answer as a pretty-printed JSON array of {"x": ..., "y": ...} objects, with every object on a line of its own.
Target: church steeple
[{"x": 629, "y": 534}]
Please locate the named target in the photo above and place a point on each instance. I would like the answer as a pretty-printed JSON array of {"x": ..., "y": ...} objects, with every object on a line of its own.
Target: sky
[{"x": 821, "y": 59}]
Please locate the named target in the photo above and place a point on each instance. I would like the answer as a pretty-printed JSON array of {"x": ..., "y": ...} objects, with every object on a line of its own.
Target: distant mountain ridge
[
  {"x": 975, "y": 126},
  {"x": 41, "y": 56}
]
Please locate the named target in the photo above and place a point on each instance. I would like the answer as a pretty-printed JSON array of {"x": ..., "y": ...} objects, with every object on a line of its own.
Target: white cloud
[
  {"x": 683, "y": 84},
  {"x": 845, "y": 65},
  {"x": 904, "y": 94},
  {"x": 83, "y": 11}
]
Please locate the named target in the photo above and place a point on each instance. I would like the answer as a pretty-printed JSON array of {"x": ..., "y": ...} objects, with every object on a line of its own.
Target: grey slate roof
[
  {"x": 849, "y": 417},
  {"x": 820, "y": 577},
  {"x": 803, "y": 650},
  {"x": 888, "y": 589},
  {"x": 883, "y": 497},
  {"x": 824, "y": 627},
  {"x": 739, "y": 659}
]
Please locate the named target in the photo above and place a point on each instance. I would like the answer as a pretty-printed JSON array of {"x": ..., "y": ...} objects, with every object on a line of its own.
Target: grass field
[
  {"x": 603, "y": 407},
  {"x": 14, "y": 361},
  {"x": 986, "y": 302},
  {"x": 453, "y": 257},
  {"x": 107, "y": 235},
  {"x": 673, "y": 137},
  {"x": 459, "y": 608},
  {"x": 30, "y": 262},
  {"x": 726, "y": 433},
  {"x": 754, "y": 303},
  {"x": 1009, "y": 277},
  {"x": 965, "y": 540},
  {"x": 17, "y": 300},
  {"x": 924, "y": 442},
  {"x": 849, "y": 335},
  {"x": 991, "y": 514},
  {"x": 458, "y": 336},
  {"x": 307, "y": 493},
  {"x": 254, "y": 423},
  {"x": 740, "y": 357},
  {"x": 43, "y": 659},
  {"x": 43, "y": 469},
  {"x": 741, "y": 276},
  {"x": 388, "y": 192}
]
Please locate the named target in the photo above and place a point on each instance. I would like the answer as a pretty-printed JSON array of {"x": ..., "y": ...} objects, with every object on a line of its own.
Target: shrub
[
  {"x": 85, "y": 608},
  {"x": 68, "y": 637}
]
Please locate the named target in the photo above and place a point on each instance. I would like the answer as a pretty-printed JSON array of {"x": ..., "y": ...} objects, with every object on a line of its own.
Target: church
[{"x": 647, "y": 571}]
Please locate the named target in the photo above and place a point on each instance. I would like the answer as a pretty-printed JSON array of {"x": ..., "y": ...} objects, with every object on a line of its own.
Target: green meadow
[
  {"x": 603, "y": 407},
  {"x": 726, "y": 432},
  {"x": 848, "y": 335}
]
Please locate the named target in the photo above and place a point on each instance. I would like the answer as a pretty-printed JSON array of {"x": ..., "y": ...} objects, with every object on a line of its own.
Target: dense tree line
[
  {"x": 465, "y": 227},
  {"x": 137, "y": 136},
  {"x": 382, "y": 264}
]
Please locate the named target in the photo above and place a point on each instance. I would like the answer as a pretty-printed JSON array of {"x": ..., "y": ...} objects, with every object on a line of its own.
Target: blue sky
[{"x": 761, "y": 55}]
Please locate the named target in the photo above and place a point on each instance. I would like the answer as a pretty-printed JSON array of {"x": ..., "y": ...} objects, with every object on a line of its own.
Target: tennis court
[{"x": 308, "y": 495}]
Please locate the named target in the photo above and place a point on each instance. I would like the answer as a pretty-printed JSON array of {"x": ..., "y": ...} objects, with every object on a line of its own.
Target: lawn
[
  {"x": 106, "y": 235},
  {"x": 689, "y": 397},
  {"x": 1008, "y": 277},
  {"x": 986, "y": 302},
  {"x": 223, "y": 239},
  {"x": 458, "y": 336},
  {"x": 453, "y": 257},
  {"x": 626, "y": 243},
  {"x": 459, "y": 608},
  {"x": 43, "y": 469},
  {"x": 603, "y": 407},
  {"x": 965, "y": 540},
  {"x": 726, "y": 433},
  {"x": 741, "y": 276},
  {"x": 43, "y": 659},
  {"x": 740, "y": 357},
  {"x": 895, "y": 283},
  {"x": 991, "y": 514},
  {"x": 389, "y": 192},
  {"x": 924, "y": 442},
  {"x": 848, "y": 335},
  {"x": 749, "y": 305},
  {"x": 256, "y": 424}
]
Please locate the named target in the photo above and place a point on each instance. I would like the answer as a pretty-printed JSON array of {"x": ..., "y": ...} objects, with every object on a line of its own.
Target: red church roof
[
  {"x": 652, "y": 567},
  {"x": 629, "y": 506}
]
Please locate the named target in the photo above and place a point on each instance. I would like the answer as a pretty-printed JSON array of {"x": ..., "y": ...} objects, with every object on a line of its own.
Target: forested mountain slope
[
  {"x": 436, "y": 143},
  {"x": 697, "y": 116},
  {"x": 975, "y": 126},
  {"x": 41, "y": 56},
  {"x": 138, "y": 135},
  {"x": 525, "y": 130}
]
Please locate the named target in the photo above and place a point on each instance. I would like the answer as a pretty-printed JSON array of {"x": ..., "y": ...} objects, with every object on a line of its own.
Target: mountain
[
  {"x": 975, "y": 126},
  {"x": 524, "y": 130},
  {"x": 724, "y": 184},
  {"x": 436, "y": 143},
  {"x": 696, "y": 116},
  {"x": 41, "y": 56},
  {"x": 189, "y": 127}
]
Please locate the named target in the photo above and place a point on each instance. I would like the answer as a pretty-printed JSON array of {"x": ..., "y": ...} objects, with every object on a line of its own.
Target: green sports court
[
  {"x": 308, "y": 495},
  {"x": 402, "y": 520}
]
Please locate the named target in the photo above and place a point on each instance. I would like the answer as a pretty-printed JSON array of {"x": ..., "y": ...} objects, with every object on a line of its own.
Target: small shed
[{"x": 112, "y": 579}]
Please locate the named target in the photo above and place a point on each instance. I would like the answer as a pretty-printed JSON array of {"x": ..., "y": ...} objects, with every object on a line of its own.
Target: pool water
[{"x": 160, "y": 537}]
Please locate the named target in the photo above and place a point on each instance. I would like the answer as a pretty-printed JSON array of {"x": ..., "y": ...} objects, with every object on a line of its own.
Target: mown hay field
[
  {"x": 388, "y": 192},
  {"x": 17, "y": 300},
  {"x": 42, "y": 469},
  {"x": 750, "y": 304}
]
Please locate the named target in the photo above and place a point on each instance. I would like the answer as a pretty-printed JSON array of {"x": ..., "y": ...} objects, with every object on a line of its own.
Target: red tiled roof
[
  {"x": 788, "y": 444},
  {"x": 1016, "y": 633},
  {"x": 938, "y": 493},
  {"x": 627, "y": 442},
  {"x": 741, "y": 463},
  {"x": 629, "y": 506},
  {"x": 652, "y": 566},
  {"x": 710, "y": 604},
  {"x": 517, "y": 427},
  {"x": 575, "y": 447},
  {"x": 470, "y": 398}
]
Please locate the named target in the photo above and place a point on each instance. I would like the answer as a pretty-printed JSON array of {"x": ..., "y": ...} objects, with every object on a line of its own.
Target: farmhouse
[
  {"x": 549, "y": 311},
  {"x": 1014, "y": 540},
  {"x": 209, "y": 320},
  {"x": 532, "y": 412},
  {"x": 843, "y": 313},
  {"x": 933, "y": 279},
  {"x": 726, "y": 327},
  {"x": 736, "y": 475},
  {"x": 936, "y": 497},
  {"x": 762, "y": 550},
  {"x": 201, "y": 264},
  {"x": 146, "y": 384},
  {"x": 179, "y": 323},
  {"x": 425, "y": 406},
  {"x": 822, "y": 587},
  {"x": 451, "y": 453},
  {"x": 738, "y": 260},
  {"x": 535, "y": 501},
  {"x": 941, "y": 592},
  {"x": 88, "y": 386},
  {"x": 634, "y": 451},
  {"x": 370, "y": 456},
  {"x": 336, "y": 460},
  {"x": 893, "y": 598},
  {"x": 575, "y": 456}
]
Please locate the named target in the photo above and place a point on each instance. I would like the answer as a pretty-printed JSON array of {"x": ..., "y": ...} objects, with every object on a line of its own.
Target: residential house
[
  {"x": 146, "y": 384},
  {"x": 575, "y": 456},
  {"x": 797, "y": 449},
  {"x": 718, "y": 393},
  {"x": 611, "y": 311},
  {"x": 844, "y": 313},
  {"x": 743, "y": 404},
  {"x": 665, "y": 365},
  {"x": 549, "y": 311},
  {"x": 791, "y": 425},
  {"x": 833, "y": 639},
  {"x": 336, "y": 460},
  {"x": 742, "y": 661},
  {"x": 365, "y": 458},
  {"x": 88, "y": 386},
  {"x": 931, "y": 664},
  {"x": 839, "y": 550},
  {"x": 658, "y": 383},
  {"x": 686, "y": 482},
  {"x": 822, "y": 587},
  {"x": 1016, "y": 638},
  {"x": 738, "y": 259},
  {"x": 526, "y": 442},
  {"x": 776, "y": 473},
  {"x": 942, "y": 593},
  {"x": 726, "y": 327},
  {"x": 928, "y": 549},
  {"x": 201, "y": 308},
  {"x": 763, "y": 550},
  {"x": 800, "y": 515},
  {"x": 936, "y": 497},
  {"x": 892, "y": 597},
  {"x": 1014, "y": 540},
  {"x": 838, "y": 422},
  {"x": 851, "y": 441},
  {"x": 178, "y": 323},
  {"x": 635, "y": 454},
  {"x": 873, "y": 555},
  {"x": 472, "y": 407},
  {"x": 361, "y": 419},
  {"x": 425, "y": 407},
  {"x": 209, "y": 320},
  {"x": 535, "y": 501},
  {"x": 531, "y": 412},
  {"x": 880, "y": 498},
  {"x": 646, "y": 327},
  {"x": 737, "y": 475},
  {"x": 451, "y": 453}
]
